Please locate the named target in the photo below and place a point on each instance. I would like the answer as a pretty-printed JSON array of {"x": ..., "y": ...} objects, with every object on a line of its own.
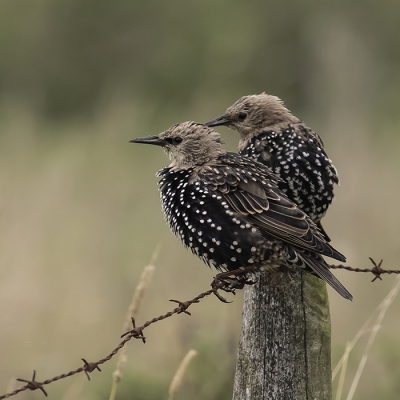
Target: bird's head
[
  {"x": 187, "y": 144},
  {"x": 252, "y": 114}
]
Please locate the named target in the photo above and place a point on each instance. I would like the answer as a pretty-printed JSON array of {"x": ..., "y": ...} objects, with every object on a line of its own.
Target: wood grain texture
[{"x": 285, "y": 345}]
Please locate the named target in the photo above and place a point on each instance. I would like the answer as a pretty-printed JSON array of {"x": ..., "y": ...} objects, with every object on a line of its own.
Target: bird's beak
[
  {"x": 149, "y": 140},
  {"x": 222, "y": 120}
]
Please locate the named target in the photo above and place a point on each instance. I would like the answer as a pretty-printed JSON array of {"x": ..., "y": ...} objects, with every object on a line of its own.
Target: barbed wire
[
  {"x": 222, "y": 281},
  {"x": 134, "y": 333},
  {"x": 377, "y": 270}
]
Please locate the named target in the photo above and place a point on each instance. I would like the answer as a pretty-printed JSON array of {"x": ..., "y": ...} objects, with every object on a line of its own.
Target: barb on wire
[
  {"x": 183, "y": 306},
  {"x": 32, "y": 384},
  {"x": 89, "y": 367},
  {"x": 377, "y": 270},
  {"x": 136, "y": 332}
]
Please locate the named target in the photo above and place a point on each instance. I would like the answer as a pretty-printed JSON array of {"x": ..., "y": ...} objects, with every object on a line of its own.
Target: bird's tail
[{"x": 320, "y": 268}]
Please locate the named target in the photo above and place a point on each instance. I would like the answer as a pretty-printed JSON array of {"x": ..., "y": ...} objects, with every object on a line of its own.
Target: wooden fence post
[{"x": 285, "y": 345}]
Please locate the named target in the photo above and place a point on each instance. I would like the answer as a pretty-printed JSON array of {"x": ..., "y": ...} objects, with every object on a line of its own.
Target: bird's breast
[{"x": 205, "y": 223}]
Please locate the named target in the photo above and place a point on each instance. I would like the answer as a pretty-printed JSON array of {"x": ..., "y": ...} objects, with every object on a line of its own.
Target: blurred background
[{"x": 79, "y": 209}]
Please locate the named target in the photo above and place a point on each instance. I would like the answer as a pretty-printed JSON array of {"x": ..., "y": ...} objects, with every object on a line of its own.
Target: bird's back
[{"x": 296, "y": 154}]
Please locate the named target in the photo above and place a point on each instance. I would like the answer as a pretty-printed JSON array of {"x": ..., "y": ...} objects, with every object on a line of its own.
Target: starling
[
  {"x": 272, "y": 135},
  {"x": 228, "y": 209}
]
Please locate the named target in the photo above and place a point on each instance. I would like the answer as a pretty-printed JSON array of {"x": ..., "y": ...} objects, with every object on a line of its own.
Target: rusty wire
[
  {"x": 222, "y": 281},
  {"x": 136, "y": 332},
  {"x": 377, "y": 270}
]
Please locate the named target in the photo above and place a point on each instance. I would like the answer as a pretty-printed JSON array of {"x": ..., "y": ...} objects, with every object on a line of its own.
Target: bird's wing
[
  {"x": 279, "y": 217},
  {"x": 250, "y": 194}
]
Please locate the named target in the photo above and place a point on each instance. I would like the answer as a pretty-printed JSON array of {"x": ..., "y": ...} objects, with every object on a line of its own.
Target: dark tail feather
[
  {"x": 321, "y": 228},
  {"x": 322, "y": 270}
]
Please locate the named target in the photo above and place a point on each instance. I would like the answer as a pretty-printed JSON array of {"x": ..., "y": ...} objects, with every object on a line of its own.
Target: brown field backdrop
[{"x": 79, "y": 209}]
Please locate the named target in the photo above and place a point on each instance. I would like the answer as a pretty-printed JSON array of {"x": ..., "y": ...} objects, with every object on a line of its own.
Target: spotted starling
[
  {"x": 272, "y": 135},
  {"x": 228, "y": 209}
]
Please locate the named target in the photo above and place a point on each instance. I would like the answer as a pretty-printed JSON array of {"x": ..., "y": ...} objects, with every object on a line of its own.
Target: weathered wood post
[{"x": 285, "y": 345}]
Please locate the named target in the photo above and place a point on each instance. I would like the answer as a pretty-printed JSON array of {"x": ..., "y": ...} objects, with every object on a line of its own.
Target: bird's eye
[
  {"x": 177, "y": 140},
  {"x": 242, "y": 116}
]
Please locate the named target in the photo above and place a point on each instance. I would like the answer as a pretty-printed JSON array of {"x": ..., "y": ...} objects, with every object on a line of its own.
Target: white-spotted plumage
[
  {"x": 228, "y": 209},
  {"x": 308, "y": 176},
  {"x": 272, "y": 135}
]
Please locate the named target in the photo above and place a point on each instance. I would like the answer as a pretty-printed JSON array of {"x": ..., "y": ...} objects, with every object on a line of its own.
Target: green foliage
[{"x": 62, "y": 57}]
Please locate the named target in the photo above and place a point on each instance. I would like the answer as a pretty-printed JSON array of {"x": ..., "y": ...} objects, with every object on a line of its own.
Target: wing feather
[{"x": 251, "y": 191}]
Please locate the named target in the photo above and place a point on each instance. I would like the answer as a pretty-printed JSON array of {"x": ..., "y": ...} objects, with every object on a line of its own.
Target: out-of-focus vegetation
[{"x": 79, "y": 209}]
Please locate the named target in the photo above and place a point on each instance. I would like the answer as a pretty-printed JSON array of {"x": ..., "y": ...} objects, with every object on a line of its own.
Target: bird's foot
[{"x": 231, "y": 281}]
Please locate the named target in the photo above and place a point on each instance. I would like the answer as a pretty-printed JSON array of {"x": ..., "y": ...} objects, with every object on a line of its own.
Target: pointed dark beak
[
  {"x": 218, "y": 121},
  {"x": 149, "y": 140}
]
